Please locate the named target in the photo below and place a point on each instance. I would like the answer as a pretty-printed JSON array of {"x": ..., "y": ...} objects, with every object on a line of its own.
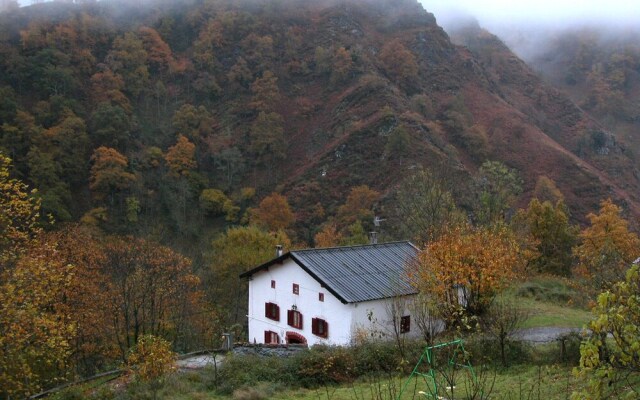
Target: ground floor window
[
  {"x": 405, "y": 324},
  {"x": 271, "y": 337},
  {"x": 319, "y": 327}
]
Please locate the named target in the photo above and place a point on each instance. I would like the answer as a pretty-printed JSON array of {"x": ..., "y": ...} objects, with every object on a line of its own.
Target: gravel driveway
[{"x": 544, "y": 335}]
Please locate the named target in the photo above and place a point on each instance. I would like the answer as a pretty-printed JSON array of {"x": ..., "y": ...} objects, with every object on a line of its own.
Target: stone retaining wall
[{"x": 275, "y": 350}]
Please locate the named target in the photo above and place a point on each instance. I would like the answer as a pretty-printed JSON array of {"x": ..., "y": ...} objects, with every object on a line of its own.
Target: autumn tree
[
  {"x": 273, "y": 214},
  {"x": 328, "y": 236},
  {"x": 358, "y": 206},
  {"x": 151, "y": 360},
  {"x": 36, "y": 330},
  {"x": 181, "y": 157},
  {"x": 265, "y": 93},
  {"x": 158, "y": 51},
  {"x": 152, "y": 290},
  {"x": 19, "y": 214},
  {"x": 547, "y": 190},
  {"x": 607, "y": 247},
  {"x": 399, "y": 62},
  {"x": 107, "y": 87},
  {"x": 109, "y": 173},
  {"x": 610, "y": 357},
  {"x": 467, "y": 266},
  {"x": 93, "y": 346},
  {"x": 554, "y": 237},
  {"x": 234, "y": 252}
]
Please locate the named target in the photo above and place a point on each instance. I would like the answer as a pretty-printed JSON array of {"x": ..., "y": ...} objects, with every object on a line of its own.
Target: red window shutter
[
  {"x": 314, "y": 326},
  {"x": 267, "y": 336},
  {"x": 267, "y": 310},
  {"x": 290, "y": 317},
  {"x": 325, "y": 333},
  {"x": 299, "y": 321}
]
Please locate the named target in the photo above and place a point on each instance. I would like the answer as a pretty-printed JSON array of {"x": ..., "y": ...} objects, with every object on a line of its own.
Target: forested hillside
[
  {"x": 125, "y": 115},
  {"x": 217, "y": 129}
]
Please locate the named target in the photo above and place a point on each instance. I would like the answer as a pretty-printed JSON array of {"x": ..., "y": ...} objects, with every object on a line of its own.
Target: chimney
[
  {"x": 373, "y": 237},
  {"x": 278, "y": 250}
]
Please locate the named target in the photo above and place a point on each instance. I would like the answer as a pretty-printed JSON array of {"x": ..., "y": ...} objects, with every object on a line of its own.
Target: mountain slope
[{"x": 306, "y": 98}]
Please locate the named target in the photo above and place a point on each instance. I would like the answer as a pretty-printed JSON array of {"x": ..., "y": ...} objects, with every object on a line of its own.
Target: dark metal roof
[{"x": 356, "y": 273}]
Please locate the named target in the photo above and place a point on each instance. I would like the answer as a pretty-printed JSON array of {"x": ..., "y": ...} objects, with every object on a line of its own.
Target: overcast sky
[{"x": 490, "y": 12}]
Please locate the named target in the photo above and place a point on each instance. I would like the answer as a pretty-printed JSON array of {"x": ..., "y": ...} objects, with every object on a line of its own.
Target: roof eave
[{"x": 277, "y": 260}]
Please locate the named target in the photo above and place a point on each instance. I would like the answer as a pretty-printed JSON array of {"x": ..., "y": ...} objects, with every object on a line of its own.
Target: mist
[
  {"x": 525, "y": 26},
  {"x": 560, "y": 12}
]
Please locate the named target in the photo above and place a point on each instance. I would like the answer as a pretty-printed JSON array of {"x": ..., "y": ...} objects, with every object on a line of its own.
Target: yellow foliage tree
[
  {"x": 606, "y": 248},
  {"x": 19, "y": 212},
  {"x": 467, "y": 266},
  {"x": 151, "y": 361}
]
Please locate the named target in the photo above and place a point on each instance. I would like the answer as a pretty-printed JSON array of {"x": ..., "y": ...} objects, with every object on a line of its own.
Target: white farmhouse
[{"x": 330, "y": 295}]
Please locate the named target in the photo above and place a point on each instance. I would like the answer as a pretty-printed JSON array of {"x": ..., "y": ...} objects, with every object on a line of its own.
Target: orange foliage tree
[
  {"x": 152, "y": 291},
  {"x": 398, "y": 61},
  {"x": 181, "y": 157},
  {"x": 467, "y": 266},
  {"x": 273, "y": 213},
  {"x": 109, "y": 172},
  {"x": 607, "y": 247}
]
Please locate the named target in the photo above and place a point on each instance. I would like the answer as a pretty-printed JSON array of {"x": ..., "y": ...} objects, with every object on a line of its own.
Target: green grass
[
  {"x": 549, "y": 302},
  {"x": 520, "y": 382}
]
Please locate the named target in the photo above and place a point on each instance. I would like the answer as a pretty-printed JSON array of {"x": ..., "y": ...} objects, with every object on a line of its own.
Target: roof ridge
[{"x": 353, "y": 246}]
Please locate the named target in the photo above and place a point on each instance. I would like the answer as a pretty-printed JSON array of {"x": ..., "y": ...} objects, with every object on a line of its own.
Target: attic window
[
  {"x": 319, "y": 327},
  {"x": 272, "y": 311},
  {"x": 296, "y": 288},
  {"x": 405, "y": 324},
  {"x": 321, "y": 296},
  {"x": 294, "y": 318},
  {"x": 273, "y": 284},
  {"x": 271, "y": 337}
]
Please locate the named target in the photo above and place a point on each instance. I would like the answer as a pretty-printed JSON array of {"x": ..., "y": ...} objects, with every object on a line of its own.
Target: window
[
  {"x": 272, "y": 311},
  {"x": 296, "y": 288},
  {"x": 321, "y": 296},
  {"x": 294, "y": 318},
  {"x": 319, "y": 327},
  {"x": 273, "y": 284},
  {"x": 271, "y": 337},
  {"x": 405, "y": 324}
]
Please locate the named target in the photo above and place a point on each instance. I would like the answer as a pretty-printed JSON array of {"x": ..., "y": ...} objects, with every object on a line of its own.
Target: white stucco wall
[
  {"x": 337, "y": 314},
  {"x": 373, "y": 318}
]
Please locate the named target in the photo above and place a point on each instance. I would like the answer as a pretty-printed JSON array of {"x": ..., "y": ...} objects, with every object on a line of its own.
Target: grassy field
[
  {"x": 549, "y": 302},
  {"x": 520, "y": 382}
]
